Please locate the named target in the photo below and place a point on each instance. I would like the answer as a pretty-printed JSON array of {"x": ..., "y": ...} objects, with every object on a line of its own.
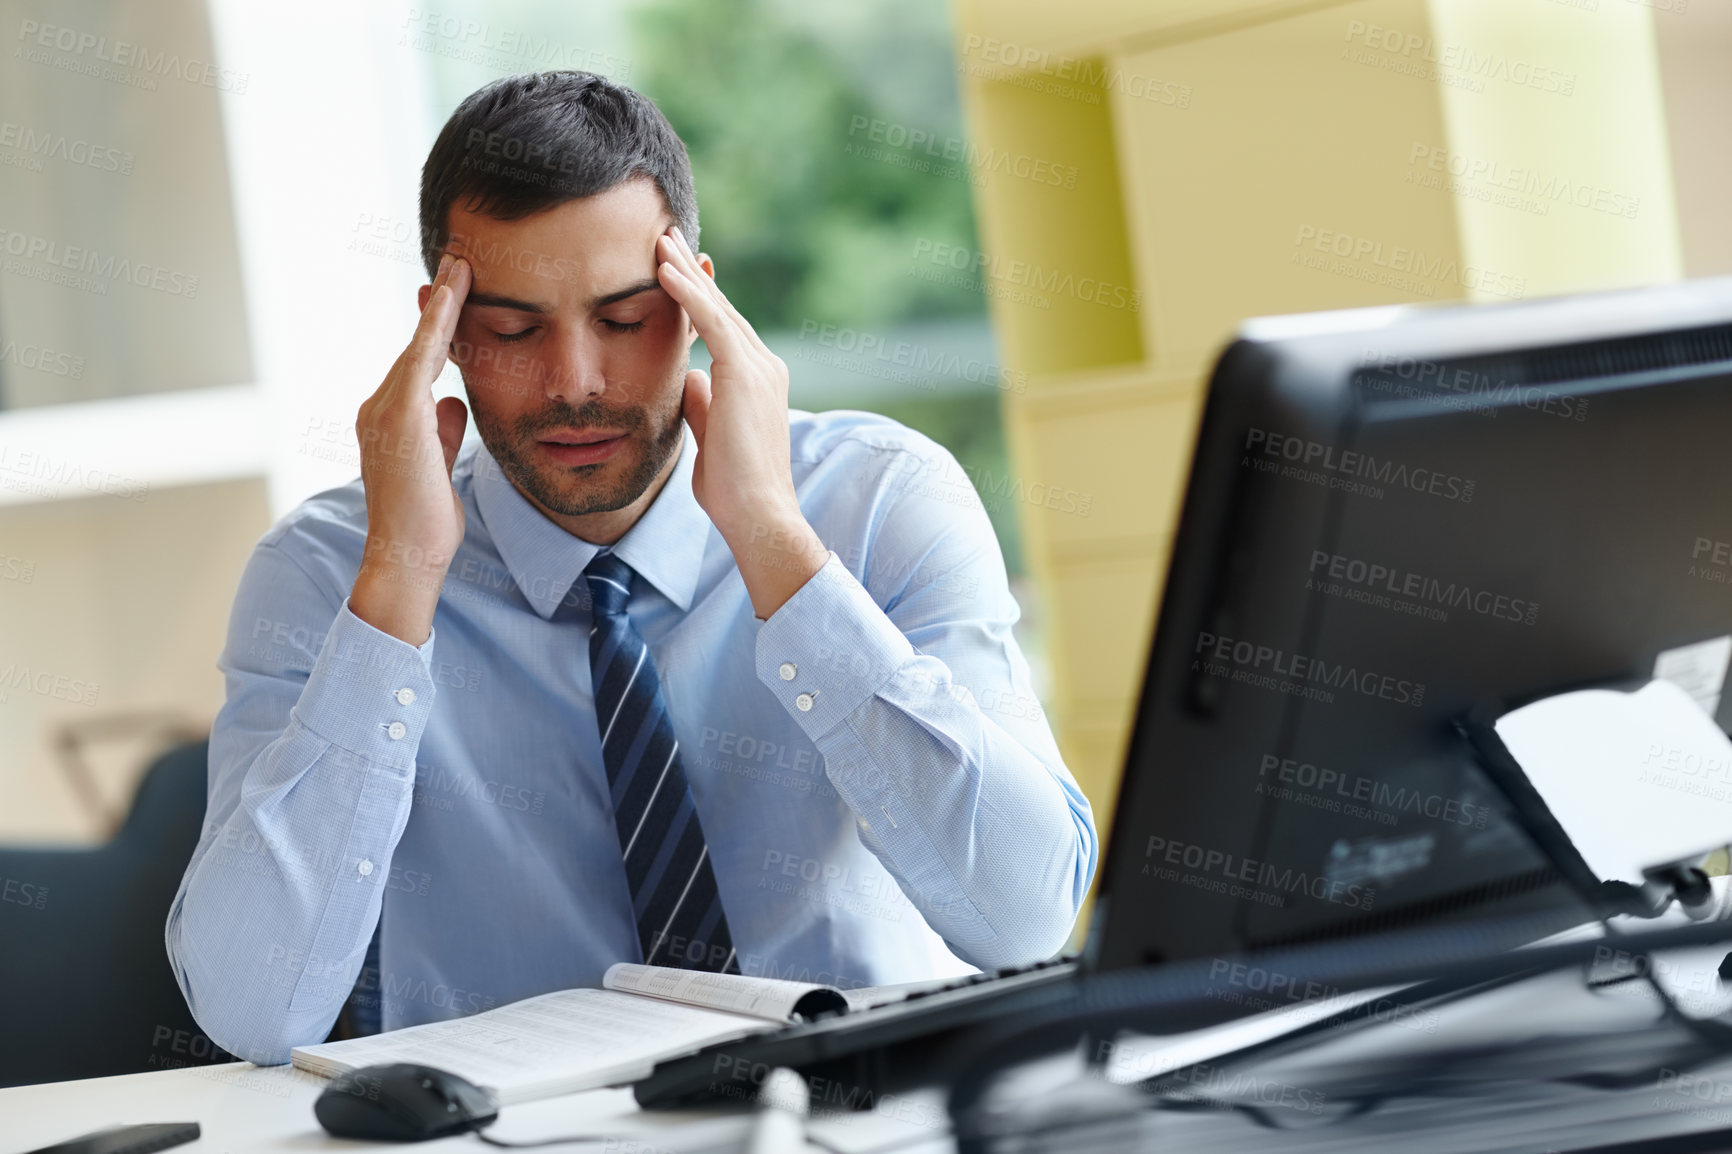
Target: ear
[{"x": 422, "y": 297}]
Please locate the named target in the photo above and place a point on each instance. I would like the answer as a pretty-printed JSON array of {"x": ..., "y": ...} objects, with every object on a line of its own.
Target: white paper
[
  {"x": 1636, "y": 779},
  {"x": 771, "y": 998},
  {"x": 1698, "y": 669},
  {"x": 1135, "y": 1057},
  {"x": 556, "y": 1043}
]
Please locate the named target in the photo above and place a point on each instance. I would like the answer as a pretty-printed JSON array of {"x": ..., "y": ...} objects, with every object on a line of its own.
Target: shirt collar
[{"x": 665, "y": 547}]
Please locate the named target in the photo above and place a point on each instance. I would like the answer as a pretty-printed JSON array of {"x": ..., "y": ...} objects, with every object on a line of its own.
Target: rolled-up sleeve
[
  {"x": 912, "y": 686},
  {"x": 312, "y": 770}
]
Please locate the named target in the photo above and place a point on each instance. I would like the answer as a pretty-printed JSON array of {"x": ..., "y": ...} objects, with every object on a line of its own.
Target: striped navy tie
[{"x": 680, "y": 921}]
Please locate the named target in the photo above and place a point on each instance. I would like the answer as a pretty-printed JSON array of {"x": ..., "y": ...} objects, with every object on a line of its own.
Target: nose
[{"x": 576, "y": 372}]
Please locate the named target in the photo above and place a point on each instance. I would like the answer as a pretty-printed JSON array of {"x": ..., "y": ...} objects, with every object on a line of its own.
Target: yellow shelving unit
[{"x": 1237, "y": 158}]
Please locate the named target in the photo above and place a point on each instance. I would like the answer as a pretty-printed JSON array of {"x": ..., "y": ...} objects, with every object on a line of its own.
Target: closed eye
[
  {"x": 507, "y": 338},
  {"x": 622, "y": 326}
]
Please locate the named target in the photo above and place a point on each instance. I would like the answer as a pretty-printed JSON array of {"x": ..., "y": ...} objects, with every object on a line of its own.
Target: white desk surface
[{"x": 243, "y": 1108}]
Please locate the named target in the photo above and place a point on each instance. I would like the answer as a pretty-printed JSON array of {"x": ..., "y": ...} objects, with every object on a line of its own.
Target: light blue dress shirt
[{"x": 881, "y": 793}]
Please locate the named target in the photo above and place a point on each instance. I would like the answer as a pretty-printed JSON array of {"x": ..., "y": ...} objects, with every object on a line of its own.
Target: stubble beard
[{"x": 577, "y": 490}]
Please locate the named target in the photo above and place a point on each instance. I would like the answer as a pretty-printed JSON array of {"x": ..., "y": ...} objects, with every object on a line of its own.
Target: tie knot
[{"x": 609, "y": 584}]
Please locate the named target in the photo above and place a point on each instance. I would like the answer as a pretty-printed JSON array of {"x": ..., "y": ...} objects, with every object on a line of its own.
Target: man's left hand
[{"x": 738, "y": 415}]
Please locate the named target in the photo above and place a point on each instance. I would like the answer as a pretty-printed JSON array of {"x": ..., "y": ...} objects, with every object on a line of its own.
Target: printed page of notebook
[
  {"x": 552, "y": 1044},
  {"x": 770, "y": 998}
]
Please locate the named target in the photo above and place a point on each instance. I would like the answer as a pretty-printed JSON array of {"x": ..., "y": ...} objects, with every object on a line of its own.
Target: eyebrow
[
  {"x": 496, "y": 301},
  {"x": 628, "y": 291}
]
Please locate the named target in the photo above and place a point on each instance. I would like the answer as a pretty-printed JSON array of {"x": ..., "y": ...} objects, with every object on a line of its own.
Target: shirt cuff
[
  {"x": 828, "y": 649},
  {"x": 369, "y": 693}
]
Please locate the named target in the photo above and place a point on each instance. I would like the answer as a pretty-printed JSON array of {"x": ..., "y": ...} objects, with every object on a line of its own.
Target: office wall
[
  {"x": 120, "y": 308},
  {"x": 260, "y": 150},
  {"x": 113, "y": 611},
  {"x": 118, "y": 227},
  {"x": 1255, "y": 158},
  {"x": 1692, "y": 38}
]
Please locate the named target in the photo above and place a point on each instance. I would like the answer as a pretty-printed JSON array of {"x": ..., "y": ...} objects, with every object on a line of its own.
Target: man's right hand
[{"x": 408, "y": 445}]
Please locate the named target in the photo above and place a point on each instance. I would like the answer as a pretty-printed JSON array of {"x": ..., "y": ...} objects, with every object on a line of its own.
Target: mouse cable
[
  {"x": 570, "y": 1139},
  {"x": 491, "y": 1141}
]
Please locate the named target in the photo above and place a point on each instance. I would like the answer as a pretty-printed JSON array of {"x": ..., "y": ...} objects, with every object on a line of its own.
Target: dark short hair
[{"x": 524, "y": 144}]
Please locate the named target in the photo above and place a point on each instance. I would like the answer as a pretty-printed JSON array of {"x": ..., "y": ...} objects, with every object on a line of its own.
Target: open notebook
[{"x": 579, "y": 1039}]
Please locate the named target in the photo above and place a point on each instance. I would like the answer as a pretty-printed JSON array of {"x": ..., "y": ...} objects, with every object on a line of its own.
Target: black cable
[
  {"x": 491, "y": 1141},
  {"x": 1434, "y": 1069},
  {"x": 1174, "y": 996},
  {"x": 1709, "y": 1031},
  {"x": 1713, "y": 1037},
  {"x": 1363, "y": 1104},
  {"x": 1433, "y": 991}
]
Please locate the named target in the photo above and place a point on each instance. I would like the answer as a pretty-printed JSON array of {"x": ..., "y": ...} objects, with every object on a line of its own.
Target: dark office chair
[{"x": 85, "y": 986}]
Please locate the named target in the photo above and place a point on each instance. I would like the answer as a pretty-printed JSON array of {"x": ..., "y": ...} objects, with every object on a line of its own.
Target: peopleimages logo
[
  {"x": 57, "y": 146},
  {"x": 1719, "y": 554},
  {"x": 1026, "y": 274},
  {"x": 1225, "y": 656},
  {"x": 922, "y": 362},
  {"x": 89, "y": 51},
  {"x": 1393, "y": 263},
  {"x": 102, "y": 267},
  {"x": 1251, "y": 871},
  {"x": 972, "y": 159},
  {"x": 33, "y": 471},
  {"x": 1481, "y": 388},
  {"x": 1517, "y": 179},
  {"x": 43, "y": 360},
  {"x": 1461, "y": 64},
  {"x": 1092, "y": 73},
  {"x": 1368, "y": 582},
  {"x": 1349, "y": 467},
  {"x": 1334, "y": 790}
]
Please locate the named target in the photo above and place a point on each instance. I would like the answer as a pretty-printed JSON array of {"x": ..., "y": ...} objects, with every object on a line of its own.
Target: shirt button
[
  {"x": 365, "y": 868},
  {"x": 787, "y": 671},
  {"x": 405, "y": 696},
  {"x": 804, "y": 701},
  {"x": 396, "y": 730}
]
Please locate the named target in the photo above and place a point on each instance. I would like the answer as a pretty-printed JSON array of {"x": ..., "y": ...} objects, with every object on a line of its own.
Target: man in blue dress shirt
[{"x": 658, "y": 671}]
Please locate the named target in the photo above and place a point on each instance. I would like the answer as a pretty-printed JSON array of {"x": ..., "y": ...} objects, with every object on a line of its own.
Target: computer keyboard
[
  {"x": 982, "y": 978},
  {"x": 862, "y": 1054}
]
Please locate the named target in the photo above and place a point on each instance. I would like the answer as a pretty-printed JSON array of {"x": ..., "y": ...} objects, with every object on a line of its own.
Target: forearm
[
  {"x": 776, "y": 555},
  {"x": 280, "y": 899},
  {"x": 979, "y": 821},
  {"x": 273, "y": 916},
  {"x": 397, "y": 588},
  {"x": 983, "y": 837}
]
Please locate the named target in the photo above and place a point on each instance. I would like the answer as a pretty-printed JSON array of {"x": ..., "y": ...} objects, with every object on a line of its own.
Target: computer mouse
[{"x": 402, "y": 1102}]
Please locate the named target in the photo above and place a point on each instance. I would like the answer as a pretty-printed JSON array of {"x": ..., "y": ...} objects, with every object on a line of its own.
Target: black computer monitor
[
  {"x": 1396, "y": 517},
  {"x": 1397, "y": 520}
]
